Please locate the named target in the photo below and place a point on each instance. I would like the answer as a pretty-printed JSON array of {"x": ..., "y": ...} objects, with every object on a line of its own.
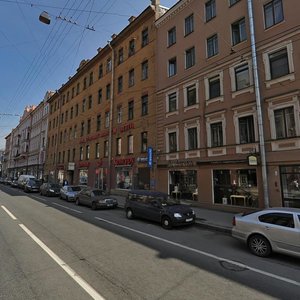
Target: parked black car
[
  {"x": 158, "y": 207},
  {"x": 95, "y": 198},
  {"x": 50, "y": 189},
  {"x": 32, "y": 185}
]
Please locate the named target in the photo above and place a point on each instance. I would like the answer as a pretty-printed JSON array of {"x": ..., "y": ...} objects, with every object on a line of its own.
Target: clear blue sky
[{"x": 35, "y": 57}]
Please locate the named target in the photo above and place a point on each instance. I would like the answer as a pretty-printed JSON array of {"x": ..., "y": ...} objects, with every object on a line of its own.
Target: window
[
  {"x": 73, "y": 154},
  {"x": 144, "y": 105},
  {"x": 172, "y": 70},
  {"x": 83, "y": 105},
  {"x": 76, "y": 110},
  {"x": 242, "y": 79},
  {"x": 73, "y": 92},
  {"x": 119, "y": 114},
  {"x": 71, "y": 113},
  {"x": 108, "y": 65},
  {"x": 189, "y": 24},
  {"x": 131, "y": 78},
  {"x": 192, "y": 138},
  {"x": 145, "y": 70},
  {"x": 121, "y": 56},
  {"x": 130, "y": 110},
  {"x": 99, "y": 96},
  {"x": 98, "y": 126},
  {"x": 238, "y": 30},
  {"x": 145, "y": 37},
  {"x": 280, "y": 219},
  {"x": 105, "y": 148},
  {"x": 191, "y": 96},
  {"x": 210, "y": 10},
  {"x": 82, "y": 129},
  {"x": 75, "y": 131},
  {"x": 88, "y": 126},
  {"x": 246, "y": 130},
  {"x": 81, "y": 153},
  {"x": 77, "y": 89},
  {"x": 84, "y": 83},
  {"x": 108, "y": 92},
  {"x": 216, "y": 134},
  {"x": 107, "y": 119},
  {"x": 172, "y": 36},
  {"x": 190, "y": 57},
  {"x": 172, "y": 102},
  {"x": 232, "y": 2},
  {"x": 214, "y": 87},
  {"x": 120, "y": 84},
  {"x": 131, "y": 50},
  {"x": 97, "y": 150},
  {"x": 87, "y": 152},
  {"x": 100, "y": 71},
  {"x": 172, "y": 141},
  {"x": 119, "y": 146},
  {"x": 91, "y": 78},
  {"x": 144, "y": 141},
  {"x": 273, "y": 13},
  {"x": 212, "y": 46},
  {"x": 285, "y": 122},
  {"x": 130, "y": 144},
  {"x": 279, "y": 65},
  {"x": 90, "y": 104}
]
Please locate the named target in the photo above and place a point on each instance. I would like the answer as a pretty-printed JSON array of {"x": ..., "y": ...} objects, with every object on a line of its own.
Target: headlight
[
  {"x": 177, "y": 215},
  {"x": 51, "y": 191}
]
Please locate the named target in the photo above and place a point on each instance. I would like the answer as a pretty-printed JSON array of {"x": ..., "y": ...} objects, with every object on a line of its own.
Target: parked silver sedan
[
  {"x": 269, "y": 230},
  {"x": 69, "y": 192}
]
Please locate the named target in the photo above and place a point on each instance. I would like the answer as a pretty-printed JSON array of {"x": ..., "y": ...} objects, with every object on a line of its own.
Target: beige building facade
[
  {"x": 102, "y": 121},
  {"x": 221, "y": 125}
]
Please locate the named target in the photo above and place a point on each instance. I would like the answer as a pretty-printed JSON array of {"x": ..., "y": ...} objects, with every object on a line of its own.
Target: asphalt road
[{"x": 53, "y": 249}]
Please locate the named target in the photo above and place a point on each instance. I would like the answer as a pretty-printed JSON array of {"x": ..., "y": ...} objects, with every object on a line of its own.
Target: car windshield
[
  {"x": 98, "y": 193},
  {"x": 168, "y": 201},
  {"x": 74, "y": 189}
]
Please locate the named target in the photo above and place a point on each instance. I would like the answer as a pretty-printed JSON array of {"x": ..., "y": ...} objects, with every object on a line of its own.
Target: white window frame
[
  {"x": 195, "y": 106},
  {"x": 250, "y": 89},
  {"x": 291, "y": 76},
  {"x": 219, "y": 74},
  {"x": 211, "y": 119},
  {"x": 168, "y": 113}
]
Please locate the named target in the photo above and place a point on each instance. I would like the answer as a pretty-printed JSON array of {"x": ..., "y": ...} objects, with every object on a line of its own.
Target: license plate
[{"x": 189, "y": 220}]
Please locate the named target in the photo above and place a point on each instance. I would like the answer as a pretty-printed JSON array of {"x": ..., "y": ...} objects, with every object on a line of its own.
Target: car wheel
[
  {"x": 77, "y": 201},
  {"x": 129, "y": 214},
  {"x": 94, "y": 206},
  {"x": 259, "y": 245},
  {"x": 166, "y": 223}
]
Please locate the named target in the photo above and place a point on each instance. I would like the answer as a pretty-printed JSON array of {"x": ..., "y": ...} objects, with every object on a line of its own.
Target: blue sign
[{"x": 150, "y": 156}]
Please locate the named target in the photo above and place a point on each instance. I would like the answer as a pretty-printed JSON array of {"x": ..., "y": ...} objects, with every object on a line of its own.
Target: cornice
[{"x": 172, "y": 12}]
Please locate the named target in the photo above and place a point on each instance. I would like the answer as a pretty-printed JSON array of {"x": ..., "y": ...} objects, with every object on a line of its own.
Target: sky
[{"x": 35, "y": 57}]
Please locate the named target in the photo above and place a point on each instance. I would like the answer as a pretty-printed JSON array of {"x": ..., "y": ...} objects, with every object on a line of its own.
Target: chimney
[
  {"x": 131, "y": 19},
  {"x": 99, "y": 49},
  {"x": 113, "y": 36}
]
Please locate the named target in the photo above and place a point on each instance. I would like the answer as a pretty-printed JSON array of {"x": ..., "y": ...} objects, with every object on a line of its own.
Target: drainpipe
[
  {"x": 258, "y": 107},
  {"x": 110, "y": 118}
]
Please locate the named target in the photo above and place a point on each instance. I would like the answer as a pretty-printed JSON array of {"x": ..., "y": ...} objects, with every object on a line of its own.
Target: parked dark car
[
  {"x": 158, "y": 207},
  {"x": 32, "y": 185},
  {"x": 14, "y": 182},
  {"x": 50, "y": 189},
  {"x": 95, "y": 198},
  {"x": 69, "y": 192}
]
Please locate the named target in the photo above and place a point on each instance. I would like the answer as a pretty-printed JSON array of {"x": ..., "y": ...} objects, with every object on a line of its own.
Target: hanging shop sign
[
  {"x": 252, "y": 160},
  {"x": 150, "y": 157}
]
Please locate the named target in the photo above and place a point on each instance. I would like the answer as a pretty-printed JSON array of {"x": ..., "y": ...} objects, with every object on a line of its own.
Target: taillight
[{"x": 233, "y": 221}]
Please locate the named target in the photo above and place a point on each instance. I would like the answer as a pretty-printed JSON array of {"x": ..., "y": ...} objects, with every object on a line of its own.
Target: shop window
[{"x": 124, "y": 178}]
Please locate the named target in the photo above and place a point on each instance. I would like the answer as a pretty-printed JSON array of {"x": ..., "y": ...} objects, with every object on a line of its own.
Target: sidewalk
[{"x": 207, "y": 218}]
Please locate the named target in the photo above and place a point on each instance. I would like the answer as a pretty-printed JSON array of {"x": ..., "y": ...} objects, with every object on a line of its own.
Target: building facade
[
  {"x": 102, "y": 121},
  {"x": 228, "y": 109}
]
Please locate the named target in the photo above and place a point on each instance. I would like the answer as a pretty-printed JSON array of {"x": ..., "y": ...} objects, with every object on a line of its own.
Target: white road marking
[
  {"x": 284, "y": 279},
  {"x": 75, "y": 210},
  {"x": 8, "y": 212},
  {"x": 90, "y": 290}
]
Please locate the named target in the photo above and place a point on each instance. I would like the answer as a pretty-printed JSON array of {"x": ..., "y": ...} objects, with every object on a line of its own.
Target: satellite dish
[{"x": 44, "y": 18}]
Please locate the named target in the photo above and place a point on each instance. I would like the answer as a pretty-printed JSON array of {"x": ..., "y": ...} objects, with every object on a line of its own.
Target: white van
[{"x": 22, "y": 180}]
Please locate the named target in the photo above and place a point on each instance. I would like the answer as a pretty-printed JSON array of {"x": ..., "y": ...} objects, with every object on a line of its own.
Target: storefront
[
  {"x": 235, "y": 187},
  {"x": 124, "y": 172},
  {"x": 290, "y": 180}
]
